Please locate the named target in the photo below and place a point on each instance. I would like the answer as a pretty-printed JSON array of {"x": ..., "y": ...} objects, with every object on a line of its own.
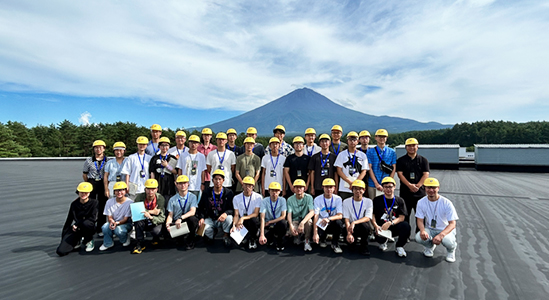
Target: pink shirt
[{"x": 206, "y": 151}]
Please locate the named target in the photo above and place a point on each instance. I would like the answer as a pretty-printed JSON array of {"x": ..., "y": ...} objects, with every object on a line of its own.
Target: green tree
[{"x": 8, "y": 146}]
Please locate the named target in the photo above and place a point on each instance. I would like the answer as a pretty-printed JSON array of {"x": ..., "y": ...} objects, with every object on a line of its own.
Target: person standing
[
  {"x": 351, "y": 165},
  {"x": 205, "y": 148},
  {"x": 231, "y": 142},
  {"x": 364, "y": 140},
  {"x": 152, "y": 146},
  {"x": 113, "y": 169},
  {"x": 136, "y": 168},
  {"x": 248, "y": 165},
  {"x": 194, "y": 166},
  {"x": 337, "y": 145},
  {"x": 382, "y": 160},
  {"x": 119, "y": 215},
  {"x": 94, "y": 172},
  {"x": 179, "y": 150},
  {"x": 310, "y": 147},
  {"x": 322, "y": 166},
  {"x": 272, "y": 165},
  {"x": 258, "y": 148},
  {"x": 222, "y": 159},
  {"x": 296, "y": 167},
  {"x": 163, "y": 169},
  {"x": 284, "y": 148}
]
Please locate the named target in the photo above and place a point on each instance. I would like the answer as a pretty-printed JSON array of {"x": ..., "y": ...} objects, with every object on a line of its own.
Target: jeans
[
  {"x": 449, "y": 241},
  {"x": 209, "y": 231},
  {"x": 121, "y": 232}
]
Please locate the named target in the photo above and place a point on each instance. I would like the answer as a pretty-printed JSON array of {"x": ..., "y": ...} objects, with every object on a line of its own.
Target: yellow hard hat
[
  {"x": 249, "y": 140},
  {"x": 142, "y": 140},
  {"x": 163, "y": 140},
  {"x": 156, "y": 127},
  {"x": 279, "y": 127},
  {"x": 274, "y": 140},
  {"x": 251, "y": 130},
  {"x": 182, "y": 178},
  {"x": 352, "y": 134},
  {"x": 310, "y": 131},
  {"x": 248, "y": 180},
  {"x": 84, "y": 187},
  {"x": 181, "y": 133},
  {"x": 207, "y": 131},
  {"x": 151, "y": 184},
  {"x": 324, "y": 136},
  {"x": 218, "y": 172},
  {"x": 274, "y": 186},
  {"x": 221, "y": 135},
  {"x": 328, "y": 182},
  {"x": 388, "y": 180},
  {"x": 119, "y": 145},
  {"x": 364, "y": 133},
  {"x": 120, "y": 185},
  {"x": 359, "y": 183},
  {"x": 299, "y": 182},
  {"x": 231, "y": 130},
  {"x": 99, "y": 143},
  {"x": 194, "y": 138},
  {"x": 411, "y": 141},
  {"x": 298, "y": 139},
  {"x": 382, "y": 132},
  {"x": 337, "y": 127},
  {"x": 431, "y": 182}
]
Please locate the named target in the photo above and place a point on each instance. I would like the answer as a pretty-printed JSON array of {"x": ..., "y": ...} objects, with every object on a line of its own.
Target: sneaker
[
  {"x": 336, "y": 249},
  {"x": 451, "y": 256},
  {"x": 429, "y": 252},
  {"x": 280, "y": 248},
  {"x": 138, "y": 249},
  {"x": 253, "y": 244},
  {"x": 100, "y": 234},
  {"x": 227, "y": 241},
  {"x": 127, "y": 242},
  {"x": 323, "y": 244},
  {"x": 307, "y": 246},
  {"x": 372, "y": 237},
  {"x": 400, "y": 251},
  {"x": 90, "y": 246},
  {"x": 297, "y": 240},
  {"x": 190, "y": 245},
  {"x": 79, "y": 244},
  {"x": 383, "y": 247},
  {"x": 103, "y": 247}
]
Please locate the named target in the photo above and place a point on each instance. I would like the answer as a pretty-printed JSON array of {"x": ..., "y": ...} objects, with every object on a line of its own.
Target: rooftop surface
[{"x": 503, "y": 251}]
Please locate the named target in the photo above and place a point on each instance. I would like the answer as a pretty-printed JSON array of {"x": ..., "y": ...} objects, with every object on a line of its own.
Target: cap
[
  {"x": 180, "y": 133},
  {"x": 119, "y": 146},
  {"x": 337, "y": 127},
  {"x": 328, "y": 182},
  {"x": 207, "y": 131},
  {"x": 249, "y": 140},
  {"x": 274, "y": 186},
  {"x": 194, "y": 138},
  {"x": 382, "y": 132},
  {"x": 388, "y": 180},
  {"x": 84, "y": 187},
  {"x": 182, "y": 178},
  {"x": 142, "y": 140},
  {"x": 299, "y": 182},
  {"x": 298, "y": 139},
  {"x": 359, "y": 183},
  {"x": 248, "y": 180},
  {"x": 310, "y": 131},
  {"x": 352, "y": 134},
  {"x": 274, "y": 140},
  {"x": 231, "y": 130},
  {"x": 324, "y": 136},
  {"x": 411, "y": 141},
  {"x": 120, "y": 185},
  {"x": 251, "y": 130},
  {"x": 163, "y": 140},
  {"x": 431, "y": 182},
  {"x": 99, "y": 143},
  {"x": 151, "y": 184},
  {"x": 364, "y": 133},
  {"x": 156, "y": 127},
  {"x": 218, "y": 172}
]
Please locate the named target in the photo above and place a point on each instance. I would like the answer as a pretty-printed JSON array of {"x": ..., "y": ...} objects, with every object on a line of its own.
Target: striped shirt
[{"x": 93, "y": 168}]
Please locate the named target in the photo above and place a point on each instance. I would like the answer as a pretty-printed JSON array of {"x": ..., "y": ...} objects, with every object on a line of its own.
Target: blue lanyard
[
  {"x": 183, "y": 207},
  {"x": 179, "y": 153},
  {"x": 244, "y": 200},
  {"x": 354, "y": 158},
  {"x": 386, "y": 208},
  {"x": 326, "y": 205},
  {"x": 274, "y": 165},
  {"x": 336, "y": 152},
  {"x": 219, "y": 157},
  {"x": 234, "y": 148},
  {"x": 220, "y": 195},
  {"x": 361, "y": 202},
  {"x": 142, "y": 163},
  {"x": 310, "y": 153},
  {"x": 273, "y": 209},
  {"x": 382, "y": 153},
  {"x": 166, "y": 159},
  {"x": 323, "y": 162},
  {"x": 101, "y": 167},
  {"x": 152, "y": 144}
]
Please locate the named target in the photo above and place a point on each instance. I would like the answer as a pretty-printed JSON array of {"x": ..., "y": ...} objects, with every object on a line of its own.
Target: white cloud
[
  {"x": 85, "y": 118},
  {"x": 443, "y": 61}
]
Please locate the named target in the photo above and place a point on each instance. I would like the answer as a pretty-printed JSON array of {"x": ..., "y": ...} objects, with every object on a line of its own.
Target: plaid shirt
[{"x": 387, "y": 154}]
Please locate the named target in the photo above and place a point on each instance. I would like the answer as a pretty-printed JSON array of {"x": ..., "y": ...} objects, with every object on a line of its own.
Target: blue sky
[{"x": 191, "y": 63}]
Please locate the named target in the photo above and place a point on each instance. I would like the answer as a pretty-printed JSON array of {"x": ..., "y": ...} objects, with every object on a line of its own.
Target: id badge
[
  {"x": 352, "y": 171},
  {"x": 221, "y": 167},
  {"x": 245, "y": 214},
  {"x": 433, "y": 223},
  {"x": 142, "y": 173},
  {"x": 248, "y": 173},
  {"x": 98, "y": 179},
  {"x": 273, "y": 173},
  {"x": 324, "y": 172},
  {"x": 298, "y": 173},
  {"x": 412, "y": 176},
  {"x": 118, "y": 178},
  {"x": 384, "y": 217}
]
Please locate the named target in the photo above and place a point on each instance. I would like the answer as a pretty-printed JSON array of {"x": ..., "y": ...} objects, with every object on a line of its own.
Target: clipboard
[
  {"x": 319, "y": 224},
  {"x": 386, "y": 234},
  {"x": 137, "y": 209},
  {"x": 175, "y": 232},
  {"x": 239, "y": 234},
  {"x": 201, "y": 229}
]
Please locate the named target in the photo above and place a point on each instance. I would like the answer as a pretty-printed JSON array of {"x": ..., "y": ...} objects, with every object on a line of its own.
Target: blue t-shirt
[
  {"x": 267, "y": 207},
  {"x": 177, "y": 206},
  {"x": 387, "y": 154}
]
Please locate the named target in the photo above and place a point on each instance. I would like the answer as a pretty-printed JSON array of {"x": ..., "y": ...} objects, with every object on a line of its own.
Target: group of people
[{"x": 332, "y": 192}]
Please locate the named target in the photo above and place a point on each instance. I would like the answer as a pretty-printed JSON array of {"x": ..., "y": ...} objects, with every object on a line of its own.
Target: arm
[
  {"x": 282, "y": 217},
  {"x": 238, "y": 177},
  {"x": 316, "y": 238},
  {"x": 312, "y": 175},
  {"x": 342, "y": 175},
  {"x": 422, "y": 180},
  {"x": 106, "y": 184},
  {"x": 233, "y": 167},
  {"x": 438, "y": 239},
  {"x": 301, "y": 228},
  {"x": 362, "y": 174},
  {"x": 262, "y": 181},
  {"x": 350, "y": 228},
  {"x": 373, "y": 177},
  {"x": 85, "y": 176},
  {"x": 203, "y": 178},
  {"x": 405, "y": 181},
  {"x": 256, "y": 177},
  {"x": 393, "y": 222},
  {"x": 393, "y": 172},
  {"x": 262, "y": 238},
  {"x": 286, "y": 178},
  {"x": 293, "y": 232},
  {"x": 422, "y": 233}
]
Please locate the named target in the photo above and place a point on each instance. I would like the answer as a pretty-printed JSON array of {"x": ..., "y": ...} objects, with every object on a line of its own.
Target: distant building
[
  {"x": 439, "y": 156},
  {"x": 515, "y": 158}
]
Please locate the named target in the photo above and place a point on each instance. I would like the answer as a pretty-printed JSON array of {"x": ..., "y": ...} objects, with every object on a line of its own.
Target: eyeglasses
[
  {"x": 388, "y": 186},
  {"x": 431, "y": 187}
]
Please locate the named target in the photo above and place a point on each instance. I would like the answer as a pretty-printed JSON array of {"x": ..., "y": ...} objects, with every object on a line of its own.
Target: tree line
[{"x": 66, "y": 139}]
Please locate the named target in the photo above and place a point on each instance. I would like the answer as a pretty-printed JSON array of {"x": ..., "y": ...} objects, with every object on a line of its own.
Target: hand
[
  {"x": 107, "y": 194},
  {"x": 164, "y": 163},
  {"x": 178, "y": 223},
  {"x": 202, "y": 187},
  {"x": 112, "y": 225},
  {"x": 386, "y": 226},
  {"x": 424, "y": 235},
  {"x": 74, "y": 228},
  {"x": 377, "y": 229},
  {"x": 222, "y": 217},
  {"x": 301, "y": 228},
  {"x": 293, "y": 231},
  {"x": 379, "y": 187},
  {"x": 283, "y": 192},
  {"x": 312, "y": 192},
  {"x": 350, "y": 238},
  {"x": 168, "y": 226},
  {"x": 240, "y": 223},
  {"x": 147, "y": 215},
  {"x": 200, "y": 222},
  {"x": 351, "y": 228},
  {"x": 414, "y": 188},
  {"x": 325, "y": 221},
  {"x": 316, "y": 238},
  {"x": 438, "y": 239},
  {"x": 262, "y": 240}
]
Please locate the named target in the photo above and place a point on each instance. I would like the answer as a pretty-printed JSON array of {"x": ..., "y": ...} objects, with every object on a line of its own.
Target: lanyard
[
  {"x": 185, "y": 206},
  {"x": 387, "y": 209},
  {"x": 142, "y": 163},
  {"x": 220, "y": 195},
  {"x": 152, "y": 144},
  {"x": 336, "y": 152},
  {"x": 219, "y": 157},
  {"x": 151, "y": 205},
  {"x": 244, "y": 200},
  {"x": 326, "y": 205},
  {"x": 310, "y": 153},
  {"x": 233, "y": 149},
  {"x": 179, "y": 153},
  {"x": 434, "y": 213},
  {"x": 324, "y": 161},
  {"x": 166, "y": 159},
  {"x": 354, "y": 158},
  {"x": 101, "y": 167},
  {"x": 382, "y": 153},
  {"x": 273, "y": 210},
  {"x": 274, "y": 165},
  {"x": 356, "y": 215}
]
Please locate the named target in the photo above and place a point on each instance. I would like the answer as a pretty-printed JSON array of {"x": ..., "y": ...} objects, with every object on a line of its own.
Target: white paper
[
  {"x": 239, "y": 234},
  {"x": 319, "y": 224},
  {"x": 137, "y": 211},
  {"x": 353, "y": 178},
  {"x": 174, "y": 232},
  {"x": 386, "y": 234}
]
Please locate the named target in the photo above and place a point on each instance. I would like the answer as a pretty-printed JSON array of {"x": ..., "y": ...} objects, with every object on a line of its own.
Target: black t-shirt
[
  {"x": 299, "y": 167},
  {"x": 396, "y": 210},
  {"x": 412, "y": 169},
  {"x": 320, "y": 162},
  {"x": 208, "y": 208},
  {"x": 165, "y": 178},
  {"x": 237, "y": 150}
]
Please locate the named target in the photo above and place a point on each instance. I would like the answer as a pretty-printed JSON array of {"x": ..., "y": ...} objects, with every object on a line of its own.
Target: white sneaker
[
  {"x": 308, "y": 246},
  {"x": 127, "y": 242},
  {"x": 429, "y": 252},
  {"x": 103, "y": 247},
  {"x": 253, "y": 245},
  {"x": 132, "y": 234},
  {"x": 100, "y": 234},
  {"x": 323, "y": 244},
  {"x": 337, "y": 249},
  {"x": 383, "y": 247},
  {"x": 90, "y": 246},
  {"x": 451, "y": 256},
  {"x": 400, "y": 251}
]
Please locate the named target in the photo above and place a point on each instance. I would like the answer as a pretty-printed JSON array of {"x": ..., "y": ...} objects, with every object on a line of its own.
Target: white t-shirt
[
  {"x": 274, "y": 171},
  {"x": 312, "y": 150},
  {"x": 352, "y": 209},
  {"x": 178, "y": 153},
  {"x": 328, "y": 207},
  {"x": 441, "y": 210},
  {"x": 215, "y": 159},
  {"x": 345, "y": 161},
  {"x": 118, "y": 211},
  {"x": 252, "y": 202},
  {"x": 193, "y": 165},
  {"x": 133, "y": 166}
]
